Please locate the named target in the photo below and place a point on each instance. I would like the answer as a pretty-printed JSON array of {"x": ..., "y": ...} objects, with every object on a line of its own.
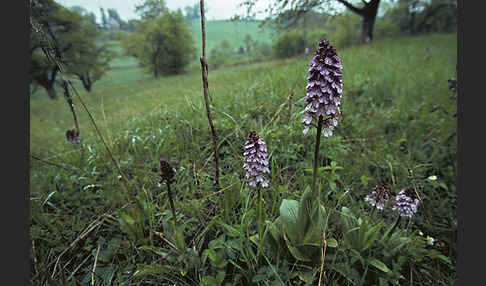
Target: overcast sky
[{"x": 217, "y": 9}]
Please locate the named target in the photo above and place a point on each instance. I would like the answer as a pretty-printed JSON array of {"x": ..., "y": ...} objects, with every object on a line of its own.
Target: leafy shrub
[
  {"x": 220, "y": 54},
  {"x": 385, "y": 28},
  {"x": 314, "y": 36},
  {"x": 290, "y": 43},
  {"x": 164, "y": 44},
  {"x": 345, "y": 30}
]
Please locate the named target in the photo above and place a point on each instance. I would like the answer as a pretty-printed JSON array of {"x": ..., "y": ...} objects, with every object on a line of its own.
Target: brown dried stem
[
  {"x": 69, "y": 100},
  {"x": 204, "y": 69}
]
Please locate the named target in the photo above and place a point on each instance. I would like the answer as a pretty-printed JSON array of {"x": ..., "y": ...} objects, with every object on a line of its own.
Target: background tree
[
  {"x": 113, "y": 14},
  {"x": 220, "y": 54},
  {"x": 82, "y": 11},
  {"x": 70, "y": 36},
  {"x": 55, "y": 23},
  {"x": 89, "y": 61},
  {"x": 104, "y": 22},
  {"x": 420, "y": 16},
  {"x": 162, "y": 44},
  {"x": 249, "y": 46},
  {"x": 367, "y": 10},
  {"x": 193, "y": 13},
  {"x": 151, "y": 8},
  {"x": 130, "y": 27}
]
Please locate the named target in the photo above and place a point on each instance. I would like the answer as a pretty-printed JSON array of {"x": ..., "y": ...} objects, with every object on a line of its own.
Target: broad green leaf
[
  {"x": 296, "y": 253},
  {"x": 331, "y": 242},
  {"x": 380, "y": 265},
  {"x": 371, "y": 235},
  {"x": 231, "y": 230},
  {"x": 289, "y": 210},
  {"x": 154, "y": 269}
]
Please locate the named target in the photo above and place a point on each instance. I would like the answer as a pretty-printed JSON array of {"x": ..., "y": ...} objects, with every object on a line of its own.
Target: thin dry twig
[
  {"x": 218, "y": 192},
  {"x": 204, "y": 70},
  {"x": 159, "y": 234},
  {"x": 49, "y": 163},
  {"x": 323, "y": 255},
  {"x": 85, "y": 233},
  {"x": 94, "y": 266},
  {"x": 93, "y": 225}
]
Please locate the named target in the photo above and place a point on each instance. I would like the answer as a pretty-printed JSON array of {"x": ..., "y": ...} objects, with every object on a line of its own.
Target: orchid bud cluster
[
  {"x": 166, "y": 172},
  {"x": 324, "y": 88},
  {"x": 73, "y": 136}
]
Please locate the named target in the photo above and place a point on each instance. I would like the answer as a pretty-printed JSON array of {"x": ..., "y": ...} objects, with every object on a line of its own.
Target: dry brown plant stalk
[{"x": 204, "y": 70}]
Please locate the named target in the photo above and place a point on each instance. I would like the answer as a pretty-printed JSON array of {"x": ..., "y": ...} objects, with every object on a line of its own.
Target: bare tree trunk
[
  {"x": 86, "y": 82},
  {"x": 411, "y": 23},
  {"x": 368, "y": 12},
  {"x": 367, "y": 28},
  {"x": 51, "y": 92},
  {"x": 369, "y": 18},
  {"x": 156, "y": 73}
]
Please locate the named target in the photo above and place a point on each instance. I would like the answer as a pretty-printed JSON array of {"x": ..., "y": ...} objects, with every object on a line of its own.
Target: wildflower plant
[
  {"x": 256, "y": 166},
  {"x": 406, "y": 202},
  {"x": 323, "y": 96},
  {"x": 167, "y": 176},
  {"x": 256, "y": 161},
  {"x": 378, "y": 197}
]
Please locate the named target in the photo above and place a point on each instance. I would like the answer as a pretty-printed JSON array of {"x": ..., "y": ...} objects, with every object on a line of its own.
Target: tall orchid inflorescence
[
  {"x": 324, "y": 88},
  {"x": 256, "y": 161},
  {"x": 379, "y": 197},
  {"x": 406, "y": 202}
]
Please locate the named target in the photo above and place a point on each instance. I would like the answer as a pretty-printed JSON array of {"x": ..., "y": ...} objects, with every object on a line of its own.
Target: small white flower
[
  {"x": 430, "y": 240},
  {"x": 432, "y": 178}
]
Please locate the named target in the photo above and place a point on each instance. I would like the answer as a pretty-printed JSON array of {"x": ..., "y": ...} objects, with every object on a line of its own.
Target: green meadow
[{"x": 397, "y": 116}]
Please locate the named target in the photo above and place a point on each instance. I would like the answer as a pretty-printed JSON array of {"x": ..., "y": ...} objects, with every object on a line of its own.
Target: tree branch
[{"x": 359, "y": 11}]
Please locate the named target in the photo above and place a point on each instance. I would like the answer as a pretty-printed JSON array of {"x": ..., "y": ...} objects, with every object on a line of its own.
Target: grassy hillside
[
  {"x": 398, "y": 116},
  {"x": 216, "y": 31},
  {"x": 233, "y": 32}
]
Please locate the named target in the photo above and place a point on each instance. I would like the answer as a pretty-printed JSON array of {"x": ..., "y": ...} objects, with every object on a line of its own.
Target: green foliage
[
  {"x": 151, "y": 8},
  {"x": 385, "y": 27},
  {"x": 220, "y": 55},
  {"x": 414, "y": 17},
  {"x": 162, "y": 44},
  {"x": 344, "y": 30},
  {"x": 289, "y": 44},
  {"x": 314, "y": 36},
  {"x": 193, "y": 13},
  {"x": 299, "y": 229},
  {"x": 74, "y": 37},
  {"x": 397, "y": 115}
]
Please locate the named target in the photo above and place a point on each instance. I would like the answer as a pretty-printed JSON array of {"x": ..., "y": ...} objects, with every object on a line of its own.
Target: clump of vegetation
[
  {"x": 290, "y": 44},
  {"x": 163, "y": 44},
  {"x": 282, "y": 205},
  {"x": 73, "y": 37}
]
